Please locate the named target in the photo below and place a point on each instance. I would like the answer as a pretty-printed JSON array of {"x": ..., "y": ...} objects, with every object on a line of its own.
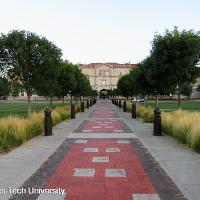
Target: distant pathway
[{"x": 102, "y": 159}]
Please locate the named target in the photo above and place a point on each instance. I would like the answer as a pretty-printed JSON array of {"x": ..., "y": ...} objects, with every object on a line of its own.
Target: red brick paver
[{"x": 99, "y": 186}]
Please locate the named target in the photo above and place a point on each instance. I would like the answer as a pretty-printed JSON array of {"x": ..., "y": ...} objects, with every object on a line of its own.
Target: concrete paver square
[
  {"x": 81, "y": 141},
  {"x": 118, "y": 131},
  {"x": 86, "y": 131},
  {"x": 115, "y": 173},
  {"x": 100, "y": 159},
  {"x": 145, "y": 197},
  {"x": 51, "y": 197},
  {"x": 123, "y": 142},
  {"x": 90, "y": 150},
  {"x": 84, "y": 172},
  {"x": 112, "y": 149}
]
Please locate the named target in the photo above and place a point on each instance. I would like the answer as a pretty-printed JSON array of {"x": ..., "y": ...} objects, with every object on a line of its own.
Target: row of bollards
[
  {"x": 157, "y": 115},
  {"x": 48, "y": 118}
]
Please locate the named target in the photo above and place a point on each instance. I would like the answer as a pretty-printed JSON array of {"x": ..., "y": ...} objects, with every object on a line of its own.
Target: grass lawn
[
  {"x": 20, "y": 108},
  {"x": 192, "y": 105}
]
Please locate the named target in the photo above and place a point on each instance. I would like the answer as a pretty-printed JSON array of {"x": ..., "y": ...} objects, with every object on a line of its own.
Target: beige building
[{"x": 105, "y": 75}]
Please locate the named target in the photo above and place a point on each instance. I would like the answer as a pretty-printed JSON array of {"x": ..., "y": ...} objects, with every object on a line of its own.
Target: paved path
[{"x": 102, "y": 158}]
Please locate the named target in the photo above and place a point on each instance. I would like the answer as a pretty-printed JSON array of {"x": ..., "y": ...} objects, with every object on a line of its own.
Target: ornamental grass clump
[
  {"x": 146, "y": 113},
  {"x": 12, "y": 132},
  {"x": 15, "y": 130},
  {"x": 184, "y": 126}
]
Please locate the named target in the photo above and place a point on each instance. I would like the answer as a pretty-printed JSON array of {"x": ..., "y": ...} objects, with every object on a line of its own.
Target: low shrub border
[
  {"x": 15, "y": 130},
  {"x": 182, "y": 125}
]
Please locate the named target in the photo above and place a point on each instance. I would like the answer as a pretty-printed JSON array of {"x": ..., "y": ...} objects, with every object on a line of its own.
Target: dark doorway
[{"x": 103, "y": 94}]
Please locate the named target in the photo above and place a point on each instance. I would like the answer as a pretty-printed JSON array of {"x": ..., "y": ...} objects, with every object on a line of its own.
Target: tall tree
[
  {"x": 15, "y": 89},
  {"x": 83, "y": 87},
  {"x": 178, "y": 54},
  {"x": 67, "y": 81},
  {"x": 5, "y": 87},
  {"x": 124, "y": 86},
  {"x": 25, "y": 56}
]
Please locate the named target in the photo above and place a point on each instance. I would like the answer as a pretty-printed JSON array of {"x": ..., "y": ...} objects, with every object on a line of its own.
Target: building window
[
  {"x": 107, "y": 73},
  {"x": 103, "y": 82},
  {"x": 100, "y": 73},
  {"x": 104, "y": 73}
]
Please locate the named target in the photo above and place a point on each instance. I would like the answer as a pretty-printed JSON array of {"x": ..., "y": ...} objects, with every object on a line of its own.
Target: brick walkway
[{"x": 102, "y": 159}]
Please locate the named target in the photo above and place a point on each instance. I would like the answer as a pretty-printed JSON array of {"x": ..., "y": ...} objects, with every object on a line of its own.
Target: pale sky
[{"x": 100, "y": 30}]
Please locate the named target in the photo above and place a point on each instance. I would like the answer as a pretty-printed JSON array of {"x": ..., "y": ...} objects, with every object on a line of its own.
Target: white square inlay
[
  {"x": 90, "y": 150},
  {"x": 118, "y": 131},
  {"x": 86, "y": 131},
  {"x": 123, "y": 142},
  {"x": 108, "y": 126},
  {"x": 115, "y": 173},
  {"x": 84, "y": 172},
  {"x": 145, "y": 197},
  {"x": 112, "y": 149},
  {"x": 100, "y": 159},
  {"x": 80, "y": 141},
  {"x": 96, "y": 127}
]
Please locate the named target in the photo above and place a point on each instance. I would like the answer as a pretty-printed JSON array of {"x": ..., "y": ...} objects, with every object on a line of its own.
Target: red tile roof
[{"x": 113, "y": 64}]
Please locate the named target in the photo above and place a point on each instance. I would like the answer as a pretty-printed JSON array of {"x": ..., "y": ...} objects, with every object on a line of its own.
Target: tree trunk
[
  {"x": 29, "y": 106},
  {"x": 156, "y": 100},
  {"x": 51, "y": 102},
  {"x": 63, "y": 99},
  {"x": 179, "y": 96}
]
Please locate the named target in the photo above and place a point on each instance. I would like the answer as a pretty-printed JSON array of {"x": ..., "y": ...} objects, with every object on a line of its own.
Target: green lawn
[
  {"x": 20, "y": 108},
  {"x": 192, "y": 105}
]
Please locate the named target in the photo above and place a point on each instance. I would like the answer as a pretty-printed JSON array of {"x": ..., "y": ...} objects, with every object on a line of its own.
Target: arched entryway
[{"x": 103, "y": 94}]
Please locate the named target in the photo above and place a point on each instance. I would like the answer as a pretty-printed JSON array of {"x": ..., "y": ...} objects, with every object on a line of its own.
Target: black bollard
[
  {"x": 157, "y": 122},
  {"x": 117, "y": 103},
  {"x": 120, "y": 103},
  {"x": 88, "y": 104},
  {"x": 124, "y": 107},
  {"x": 82, "y": 106},
  {"x": 133, "y": 111},
  {"x": 47, "y": 122},
  {"x": 93, "y": 101},
  {"x": 112, "y": 101},
  {"x": 73, "y": 111}
]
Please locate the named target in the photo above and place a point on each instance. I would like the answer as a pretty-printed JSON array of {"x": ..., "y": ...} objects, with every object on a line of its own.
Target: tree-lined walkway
[{"x": 102, "y": 159}]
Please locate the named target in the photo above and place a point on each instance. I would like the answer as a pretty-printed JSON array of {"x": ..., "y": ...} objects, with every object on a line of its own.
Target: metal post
[
  {"x": 157, "y": 122},
  {"x": 47, "y": 122},
  {"x": 117, "y": 103},
  {"x": 120, "y": 103},
  {"x": 133, "y": 111},
  {"x": 73, "y": 112},
  {"x": 124, "y": 107},
  {"x": 82, "y": 106}
]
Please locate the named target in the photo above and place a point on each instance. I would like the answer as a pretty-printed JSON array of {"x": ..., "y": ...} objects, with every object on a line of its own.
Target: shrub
[
  {"x": 146, "y": 113},
  {"x": 182, "y": 125},
  {"x": 15, "y": 130}
]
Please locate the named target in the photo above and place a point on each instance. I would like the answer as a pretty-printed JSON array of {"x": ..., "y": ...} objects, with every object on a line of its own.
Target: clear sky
[{"x": 100, "y": 30}]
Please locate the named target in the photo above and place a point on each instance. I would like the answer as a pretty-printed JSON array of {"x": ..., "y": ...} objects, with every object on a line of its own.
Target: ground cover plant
[
  {"x": 180, "y": 124},
  {"x": 15, "y": 130}
]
